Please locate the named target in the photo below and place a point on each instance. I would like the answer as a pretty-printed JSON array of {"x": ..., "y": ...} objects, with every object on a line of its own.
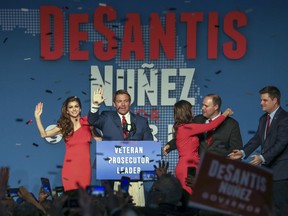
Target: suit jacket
[
  {"x": 111, "y": 127},
  {"x": 226, "y": 137},
  {"x": 274, "y": 148}
]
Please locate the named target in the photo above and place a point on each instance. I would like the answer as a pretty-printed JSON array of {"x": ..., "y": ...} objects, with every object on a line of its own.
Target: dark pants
[{"x": 280, "y": 197}]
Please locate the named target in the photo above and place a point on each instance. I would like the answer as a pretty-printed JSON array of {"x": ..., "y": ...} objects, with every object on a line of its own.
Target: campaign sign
[
  {"x": 115, "y": 159},
  {"x": 232, "y": 187}
]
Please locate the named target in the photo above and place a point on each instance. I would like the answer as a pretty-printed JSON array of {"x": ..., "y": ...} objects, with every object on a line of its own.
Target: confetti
[
  {"x": 26, "y": 59},
  {"x": 29, "y": 122},
  {"x": 91, "y": 79},
  {"x": 251, "y": 132},
  {"x": 84, "y": 93},
  {"x": 218, "y": 72},
  {"x": 34, "y": 144},
  {"x": 32, "y": 78},
  {"x": 5, "y": 40},
  {"x": 102, "y": 4},
  {"x": 150, "y": 91},
  {"x": 106, "y": 82},
  {"x": 145, "y": 85},
  {"x": 49, "y": 33},
  {"x": 59, "y": 166},
  {"x": 217, "y": 26},
  {"x": 120, "y": 77},
  {"x": 49, "y": 91},
  {"x": 18, "y": 144},
  {"x": 19, "y": 181},
  {"x": 19, "y": 120}
]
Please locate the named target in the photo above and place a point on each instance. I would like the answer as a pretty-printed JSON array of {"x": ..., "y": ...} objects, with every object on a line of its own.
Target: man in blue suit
[
  {"x": 272, "y": 136},
  {"x": 120, "y": 125},
  {"x": 112, "y": 124}
]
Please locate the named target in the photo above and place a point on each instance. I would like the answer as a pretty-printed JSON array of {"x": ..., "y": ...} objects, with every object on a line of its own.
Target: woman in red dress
[
  {"x": 187, "y": 141},
  {"x": 77, "y": 135}
]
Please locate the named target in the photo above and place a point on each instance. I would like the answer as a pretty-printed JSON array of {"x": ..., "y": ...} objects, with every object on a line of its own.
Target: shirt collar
[
  {"x": 214, "y": 117},
  {"x": 272, "y": 114},
  {"x": 127, "y": 116}
]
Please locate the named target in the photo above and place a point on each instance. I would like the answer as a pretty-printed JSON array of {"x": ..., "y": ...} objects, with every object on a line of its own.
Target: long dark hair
[
  {"x": 182, "y": 113},
  {"x": 64, "y": 122}
]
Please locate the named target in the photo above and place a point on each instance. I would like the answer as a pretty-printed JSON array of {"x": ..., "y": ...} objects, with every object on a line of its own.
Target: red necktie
[
  {"x": 268, "y": 123},
  {"x": 209, "y": 135},
  {"x": 124, "y": 126}
]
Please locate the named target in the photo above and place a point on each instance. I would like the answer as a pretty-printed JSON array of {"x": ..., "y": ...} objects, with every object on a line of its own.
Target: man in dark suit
[
  {"x": 223, "y": 139},
  {"x": 272, "y": 136},
  {"x": 120, "y": 124}
]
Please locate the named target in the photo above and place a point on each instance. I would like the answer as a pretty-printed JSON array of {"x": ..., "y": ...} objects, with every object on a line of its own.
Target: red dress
[
  {"x": 187, "y": 145},
  {"x": 77, "y": 164}
]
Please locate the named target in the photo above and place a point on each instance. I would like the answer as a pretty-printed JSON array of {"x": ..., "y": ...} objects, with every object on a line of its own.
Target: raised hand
[
  {"x": 38, "y": 110},
  {"x": 228, "y": 112},
  {"x": 98, "y": 96},
  {"x": 162, "y": 168}
]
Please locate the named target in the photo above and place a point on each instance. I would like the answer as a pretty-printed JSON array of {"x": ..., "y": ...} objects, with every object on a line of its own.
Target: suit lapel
[
  {"x": 116, "y": 119},
  {"x": 274, "y": 121}
]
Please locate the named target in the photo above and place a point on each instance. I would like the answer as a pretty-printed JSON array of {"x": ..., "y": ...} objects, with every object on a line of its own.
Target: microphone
[{"x": 130, "y": 131}]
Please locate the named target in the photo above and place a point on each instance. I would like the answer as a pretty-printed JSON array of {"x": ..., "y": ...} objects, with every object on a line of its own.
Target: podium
[{"x": 115, "y": 159}]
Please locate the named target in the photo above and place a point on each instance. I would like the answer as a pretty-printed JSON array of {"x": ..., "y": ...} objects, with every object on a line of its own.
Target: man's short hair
[
  {"x": 119, "y": 92},
  {"x": 272, "y": 91}
]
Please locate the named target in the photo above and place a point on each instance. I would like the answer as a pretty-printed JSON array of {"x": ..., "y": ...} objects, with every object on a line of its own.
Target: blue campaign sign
[{"x": 115, "y": 159}]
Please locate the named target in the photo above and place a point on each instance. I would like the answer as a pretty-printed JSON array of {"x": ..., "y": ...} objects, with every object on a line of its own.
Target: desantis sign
[
  {"x": 115, "y": 159},
  {"x": 232, "y": 187}
]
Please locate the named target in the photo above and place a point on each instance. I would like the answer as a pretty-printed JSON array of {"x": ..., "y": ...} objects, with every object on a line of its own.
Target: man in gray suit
[
  {"x": 272, "y": 136},
  {"x": 223, "y": 139}
]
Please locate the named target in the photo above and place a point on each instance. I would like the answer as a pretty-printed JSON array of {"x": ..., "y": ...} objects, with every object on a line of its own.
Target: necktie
[
  {"x": 268, "y": 123},
  {"x": 124, "y": 126},
  {"x": 209, "y": 135}
]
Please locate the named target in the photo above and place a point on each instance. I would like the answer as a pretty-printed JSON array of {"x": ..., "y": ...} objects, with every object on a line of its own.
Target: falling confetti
[
  {"x": 34, "y": 144},
  {"x": 49, "y": 91},
  {"x": 29, "y": 122}
]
